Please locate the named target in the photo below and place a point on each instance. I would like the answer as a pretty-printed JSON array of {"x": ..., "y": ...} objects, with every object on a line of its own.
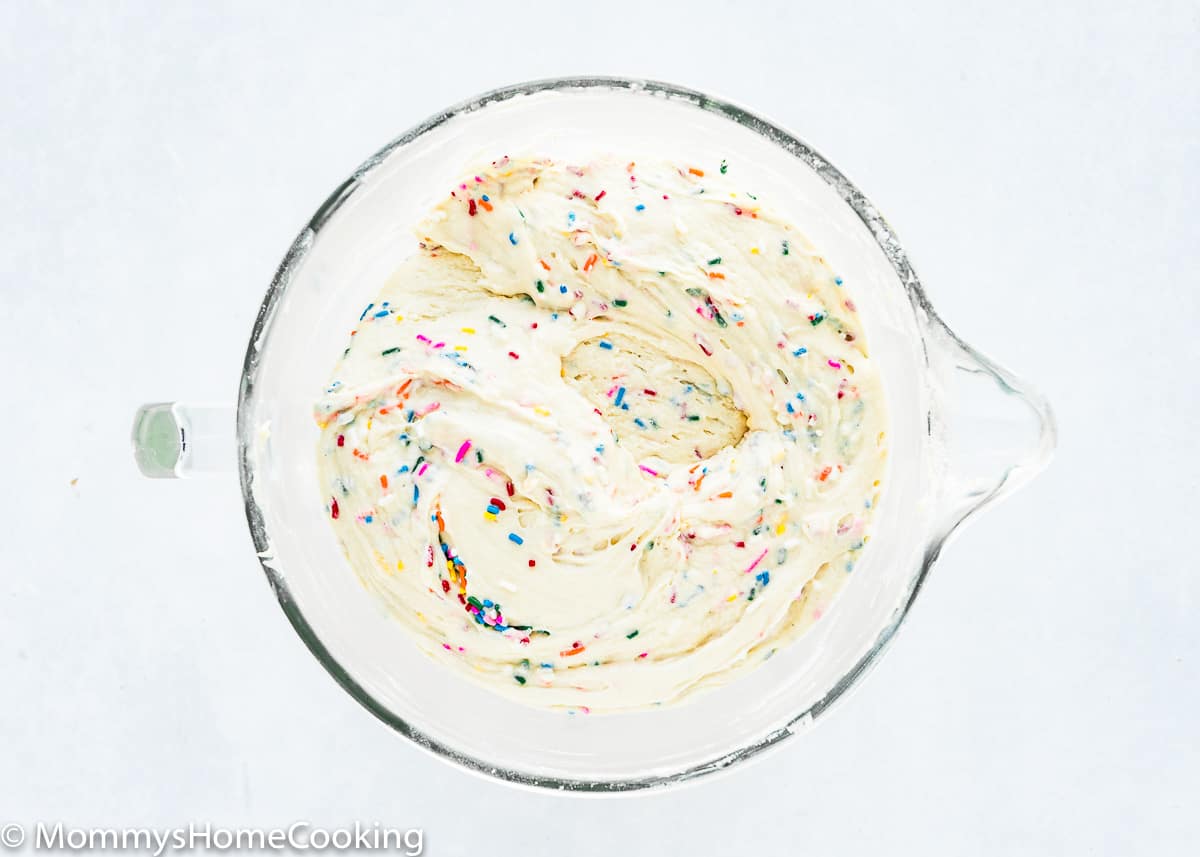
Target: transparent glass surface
[{"x": 963, "y": 432}]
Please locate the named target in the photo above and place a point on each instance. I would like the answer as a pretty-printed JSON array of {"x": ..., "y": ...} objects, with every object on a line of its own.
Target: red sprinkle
[
  {"x": 471, "y": 210},
  {"x": 445, "y": 586},
  {"x": 508, "y": 486},
  {"x": 333, "y": 510},
  {"x": 499, "y": 504},
  {"x": 704, "y": 349},
  {"x": 532, "y": 563},
  {"x": 341, "y": 440},
  {"x": 600, "y": 195},
  {"x": 514, "y": 355}
]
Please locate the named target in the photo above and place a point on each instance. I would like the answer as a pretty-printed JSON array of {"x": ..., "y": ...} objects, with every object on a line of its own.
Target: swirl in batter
[{"x": 610, "y": 436}]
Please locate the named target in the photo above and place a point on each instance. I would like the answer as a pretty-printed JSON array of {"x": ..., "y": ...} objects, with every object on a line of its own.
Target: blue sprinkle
[
  {"x": 790, "y": 409},
  {"x": 639, "y": 422},
  {"x": 547, "y": 666},
  {"x": 837, "y": 280},
  {"x": 515, "y": 539},
  {"x": 799, "y": 352},
  {"x": 493, "y": 509},
  {"x": 570, "y": 218},
  {"x": 620, "y": 396},
  {"x": 764, "y": 577},
  {"x": 639, "y": 207},
  {"x": 416, "y": 493},
  {"x": 368, "y": 519},
  {"x": 605, "y": 344},
  {"x": 381, "y": 313},
  {"x": 563, "y": 288},
  {"x": 800, "y": 396},
  {"x": 478, "y": 618},
  {"x": 850, "y": 566},
  {"x": 487, "y": 602},
  {"x": 625, "y": 406},
  {"x": 411, "y": 414},
  {"x": 403, "y": 468},
  {"x": 367, "y": 310},
  {"x": 600, "y": 449},
  {"x": 512, "y": 239},
  {"x": 486, "y": 198}
]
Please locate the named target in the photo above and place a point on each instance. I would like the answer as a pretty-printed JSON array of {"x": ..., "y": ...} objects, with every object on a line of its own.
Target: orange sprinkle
[
  {"x": 725, "y": 494},
  {"x": 383, "y": 481},
  {"x": 696, "y": 172},
  {"x": 591, "y": 260},
  {"x": 361, "y": 455},
  {"x": 696, "y": 486},
  {"x": 713, "y": 275},
  {"x": 382, "y": 411},
  {"x": 542, "y": 262},
  {"x": 825, "y": 473},
  {"x": 403, "y": 387},
  {"x": 487, "y": 206},
  {"x": 574, "y": 650}
]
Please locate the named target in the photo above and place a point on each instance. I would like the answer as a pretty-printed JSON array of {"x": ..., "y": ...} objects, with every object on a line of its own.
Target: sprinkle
[
  {"x": 837, "y": 280},
  {"x": 334, "y": 511},
  {"x": 562, "y": 289},
  {"x": 620, "y": 396},
  {"x": 470, "y": 331},
  {"x": 575, "y": 649},
  {"x": 639, "y": 207},
  {"x": 508, "y": 487},
  {"x": 341, "y": 441},
  {"x": 471, "y": 210},
  {"x": 800, "y": 352},
  {"x": 755, "y": 563},
  {"x": 647, "y": 469},
  {"x": 515, "y": 539},
  {"x": 388, "y": 351},
  {"x": 498, "y": 503},
  {"x": 713, "y": 275},
  {"x": 816, "y": 318},
  {"x": 825, "y": 474},
  {"x": 495, "y": 320},
  {"x": 542, "y": 262},
  {"x": 724, "y": 167},
  {"x": 416, "y": 494},
  {"x": 591, "y": 261},
  {"x": 716, "y": 261},
  {"x": 785, "y": 248},
  {"x": 514, "y": 355},
  {"x": 704, "y": 348},
  {"x": 600, "y": 195},
  {"x": 620, "y": 302},
  {"x": 639, "y": 422},
  {"x": 486, "y": 205},
  {"x": 532, "y": 563},
  {"x": 835, "y": 364},
  {"x": 696, "y": 172},
  {"x": 364, "y": 312},
  {"x": 462, "y": 451},
  {"x": 605, "y": 344},
  {"x": 383, "y": 482},
  {"x": 512, "y": 238},
  {"x": 631, "y": 635}
]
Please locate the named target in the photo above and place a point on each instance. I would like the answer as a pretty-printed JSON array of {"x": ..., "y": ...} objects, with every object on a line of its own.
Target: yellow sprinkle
[
  {"x": 399, "y": 565},
  {"x": 781, "y": 529},
  {"x": 539, "y": 411},
  {"x": 399, "y": 318},
  {"x": 460, "y": 348},
  {"x": 489, "y": 516},
  {"x": 733, "y": 196},
  {"x": 369, "y": 423},
  {"x": 469, "y": 330},
  {"x": 732, "y": 597},
  {"x": 754, "y": 251}
]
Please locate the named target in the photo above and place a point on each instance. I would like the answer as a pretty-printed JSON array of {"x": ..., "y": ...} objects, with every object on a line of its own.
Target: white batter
[{"x": 611, "y": 435}]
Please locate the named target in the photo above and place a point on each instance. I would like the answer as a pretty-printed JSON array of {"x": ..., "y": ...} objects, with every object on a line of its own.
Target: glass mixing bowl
[{"x": 963, "y": 433}]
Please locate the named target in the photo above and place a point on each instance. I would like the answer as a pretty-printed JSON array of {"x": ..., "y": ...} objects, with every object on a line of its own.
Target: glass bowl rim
[{"x": 884, "y": 236}]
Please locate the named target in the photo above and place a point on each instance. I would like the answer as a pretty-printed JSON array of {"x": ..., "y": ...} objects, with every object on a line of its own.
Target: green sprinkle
[
  {"x": 497, "y": 321},
  {"x": 541, "y": 287},
  {"x": 695, "y": 292},
  {"x": 724, "y": 167},
  {"x": 631, "y": 635},
  {"x": 388, "y": 351},
  {"x": 752, "y": 196},
  {"x": 620, "y": 302},
  {"x": 694, "y": 418},
  {"x": 479, "y": 456},
  {"x": 520, "y": 678},
  {"x": 716, "y": 261},
  {"x": 785, "y": 248},
  {"x": 474, "y": 602}
]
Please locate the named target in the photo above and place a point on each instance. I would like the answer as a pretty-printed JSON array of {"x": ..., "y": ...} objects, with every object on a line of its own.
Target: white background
[{"x": 1039, "y": 161}]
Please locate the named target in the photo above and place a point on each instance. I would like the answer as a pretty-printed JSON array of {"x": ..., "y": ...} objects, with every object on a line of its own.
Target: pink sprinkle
[
  {"x": 422, "y": 337},
  {"x": 424, "y": 467},
  {"x": 647, "y": 469},
  {"x": 439, "y": 345},
  {"x": 462, "y": 451},
  {"x": 754, "y": 564},
  {"x": 643, "y": 654},
  {"x": 835, "y": 364},
  {"x": 446, "y": 646}
]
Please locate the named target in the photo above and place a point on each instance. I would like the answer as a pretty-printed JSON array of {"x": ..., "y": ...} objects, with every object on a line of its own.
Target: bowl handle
[
  {"x": 172, "y": 440},
  {"x": 997, "y": 431}
]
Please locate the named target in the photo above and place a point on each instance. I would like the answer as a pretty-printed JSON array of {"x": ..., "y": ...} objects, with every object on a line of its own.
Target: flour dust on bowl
[{"x": 960, "y": 431}]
